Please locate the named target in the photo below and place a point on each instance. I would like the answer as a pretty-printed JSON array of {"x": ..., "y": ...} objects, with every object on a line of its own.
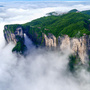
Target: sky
[{"x": 44, "y": 0}]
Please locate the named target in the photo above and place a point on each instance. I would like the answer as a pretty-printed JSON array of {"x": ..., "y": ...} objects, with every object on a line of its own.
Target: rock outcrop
[{"x": 50, "y": 40}]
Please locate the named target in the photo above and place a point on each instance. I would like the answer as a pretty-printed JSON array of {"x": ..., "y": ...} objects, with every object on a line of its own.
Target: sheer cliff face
[
  {"x": 9, "y": 36},
  {"x": 79, "y": 45},
  {"x": 75, "y": 45},
  {"x": 65, "y": 42},
  {"x": 72, "y": 44}
]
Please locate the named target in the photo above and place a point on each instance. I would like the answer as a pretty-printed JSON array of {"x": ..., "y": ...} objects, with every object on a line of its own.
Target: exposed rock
[{"x": 74, "y": 44}]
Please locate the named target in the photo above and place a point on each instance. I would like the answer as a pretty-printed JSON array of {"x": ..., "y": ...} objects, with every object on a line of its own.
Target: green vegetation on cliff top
[{"x": 20, "y": 47}]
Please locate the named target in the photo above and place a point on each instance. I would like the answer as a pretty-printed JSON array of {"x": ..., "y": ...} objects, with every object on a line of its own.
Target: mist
[{"x": 41, "y": 69}]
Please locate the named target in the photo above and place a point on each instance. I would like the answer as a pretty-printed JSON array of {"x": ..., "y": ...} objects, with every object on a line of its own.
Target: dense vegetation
[
  {"x": 86, "y": 12},
  {"x": 12, "y": 28}
]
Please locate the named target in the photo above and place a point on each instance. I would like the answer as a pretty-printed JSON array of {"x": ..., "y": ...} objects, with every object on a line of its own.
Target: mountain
[
  {"x": 15, "y": 33},
  {"x": 67, "y": 31},
  {"x": 53, "y": 13}
]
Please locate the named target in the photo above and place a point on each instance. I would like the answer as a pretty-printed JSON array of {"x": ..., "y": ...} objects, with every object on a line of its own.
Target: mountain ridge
[{"x": 67, "y": 31}]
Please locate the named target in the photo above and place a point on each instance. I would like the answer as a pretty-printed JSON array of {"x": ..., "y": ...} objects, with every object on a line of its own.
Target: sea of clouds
[{"x": 40, "y": 69}]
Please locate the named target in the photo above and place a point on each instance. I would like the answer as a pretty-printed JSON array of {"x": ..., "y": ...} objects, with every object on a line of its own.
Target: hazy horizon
[{"x": 44, "y": 0}]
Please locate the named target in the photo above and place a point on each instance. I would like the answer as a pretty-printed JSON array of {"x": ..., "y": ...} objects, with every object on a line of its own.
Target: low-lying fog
[{"x": 41, "y": 69}]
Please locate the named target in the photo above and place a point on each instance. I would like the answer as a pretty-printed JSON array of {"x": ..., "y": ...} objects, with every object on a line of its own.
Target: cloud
[{"x": 41, "y": 69}]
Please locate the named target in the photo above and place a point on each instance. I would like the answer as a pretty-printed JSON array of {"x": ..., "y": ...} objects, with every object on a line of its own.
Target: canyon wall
[{"x": 76, "y": 45}]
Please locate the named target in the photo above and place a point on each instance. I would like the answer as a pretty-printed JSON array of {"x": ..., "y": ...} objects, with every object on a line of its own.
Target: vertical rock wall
[{"x": 74, "y": 44}]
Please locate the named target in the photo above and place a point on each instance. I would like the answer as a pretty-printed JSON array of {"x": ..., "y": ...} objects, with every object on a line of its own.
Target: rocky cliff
[
  {"x": 80, "y": 45},
  {"x": 50, "y": 40},
  {"x": 69, "y": 31}
]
